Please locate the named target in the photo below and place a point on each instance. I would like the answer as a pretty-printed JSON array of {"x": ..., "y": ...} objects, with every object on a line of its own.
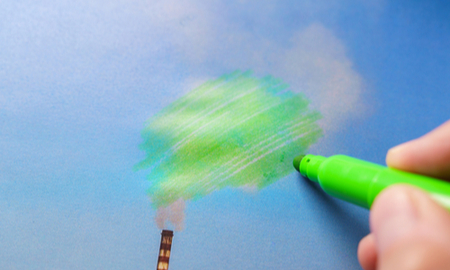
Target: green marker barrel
[{"x": 359, "y": 181}]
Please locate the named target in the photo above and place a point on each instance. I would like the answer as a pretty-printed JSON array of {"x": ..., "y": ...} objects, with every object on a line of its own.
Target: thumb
[{"x": 411, "y": 230}]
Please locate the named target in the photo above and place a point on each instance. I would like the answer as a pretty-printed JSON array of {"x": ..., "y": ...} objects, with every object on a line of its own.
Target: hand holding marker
[
  {"x": 359, "y": 181},
  {"x": 409, "y": 227}
]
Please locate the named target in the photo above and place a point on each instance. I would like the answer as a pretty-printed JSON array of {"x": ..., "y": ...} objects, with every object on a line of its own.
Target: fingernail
[
  {"x": 397, "y": 219},
  {"x": 394, "y": 154},
  {"x": 395, "y": 149}
]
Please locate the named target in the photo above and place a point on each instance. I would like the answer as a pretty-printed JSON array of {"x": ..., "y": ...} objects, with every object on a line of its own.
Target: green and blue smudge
[{"x": 236, "y": 131}]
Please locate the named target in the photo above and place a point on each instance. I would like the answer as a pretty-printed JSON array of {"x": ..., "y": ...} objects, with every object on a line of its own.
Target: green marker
[{"x": 360, "y": 182}]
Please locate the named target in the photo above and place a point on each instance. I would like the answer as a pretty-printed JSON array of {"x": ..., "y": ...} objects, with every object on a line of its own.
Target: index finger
[{"x": 427, "y": 155}]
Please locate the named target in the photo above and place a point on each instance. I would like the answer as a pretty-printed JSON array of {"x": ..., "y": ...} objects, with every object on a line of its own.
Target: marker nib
[{"x": 297, "y": 161}]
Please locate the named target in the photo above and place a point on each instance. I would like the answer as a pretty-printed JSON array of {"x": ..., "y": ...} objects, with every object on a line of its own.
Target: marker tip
[{"x": 297, "y": 161}]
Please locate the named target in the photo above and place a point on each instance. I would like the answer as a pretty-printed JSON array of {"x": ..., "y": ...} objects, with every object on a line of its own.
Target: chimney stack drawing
[{"x": 164, "y": 250}]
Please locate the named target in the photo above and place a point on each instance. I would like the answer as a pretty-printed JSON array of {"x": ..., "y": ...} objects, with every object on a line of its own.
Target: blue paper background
[{"x": 78, "y": 79}]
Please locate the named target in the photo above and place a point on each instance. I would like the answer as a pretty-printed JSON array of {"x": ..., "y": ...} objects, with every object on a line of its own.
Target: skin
[{"x": 408, "y": 229}]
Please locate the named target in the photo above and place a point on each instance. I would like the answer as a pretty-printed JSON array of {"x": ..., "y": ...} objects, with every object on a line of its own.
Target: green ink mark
[{"x": 236, "y": 131}]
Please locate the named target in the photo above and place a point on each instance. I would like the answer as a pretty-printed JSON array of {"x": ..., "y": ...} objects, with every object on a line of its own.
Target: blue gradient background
[{"x": 78, "y": 80}]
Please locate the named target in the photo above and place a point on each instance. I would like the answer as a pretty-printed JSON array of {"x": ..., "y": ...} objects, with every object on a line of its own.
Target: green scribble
[{"x": 235, "y": 131}]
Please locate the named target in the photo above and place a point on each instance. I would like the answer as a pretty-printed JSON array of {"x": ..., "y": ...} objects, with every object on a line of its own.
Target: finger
[
  {"x": 428, "y": 155},
  {"x": 411, "y": 231},
  {"x": 415, "y": 254},
  {"x": 367, "y": 253}
]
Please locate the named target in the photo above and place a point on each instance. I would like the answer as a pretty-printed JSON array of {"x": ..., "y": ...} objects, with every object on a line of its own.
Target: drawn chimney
[{"x": 164, "y": 250}]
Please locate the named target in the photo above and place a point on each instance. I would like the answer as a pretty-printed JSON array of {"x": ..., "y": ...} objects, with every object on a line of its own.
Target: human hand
[{"x": 408, "y": 229}]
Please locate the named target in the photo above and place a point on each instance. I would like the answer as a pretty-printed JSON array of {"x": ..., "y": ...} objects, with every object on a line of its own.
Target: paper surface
[{"x": 81, "y": 81}]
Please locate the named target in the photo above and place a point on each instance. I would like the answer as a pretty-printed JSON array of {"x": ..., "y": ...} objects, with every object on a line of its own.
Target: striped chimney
[{"x": 164, "y": 250}]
